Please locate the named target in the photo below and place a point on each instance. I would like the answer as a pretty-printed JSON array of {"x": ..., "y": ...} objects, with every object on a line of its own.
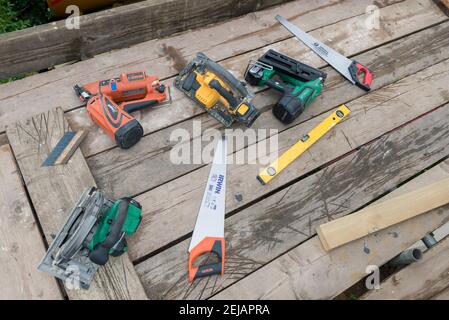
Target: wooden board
[
  {"x": 70, "y": 149},
  {"x": 423, "y": 280},
  {"x": 417, "y": 85},
  {"x": 44, "y": 46},
  {"x": 383, "y": 215},
  {"x": 120, "y": 171},
  {"x": 169, "y": 218},
  {"x": 54, "y": 190},
  {"x": 444, "y": 5},
  {"x": 309, "y": 272},
  {"x": 21, "y": 244},
  {"x": 444, "y": 295},
  {"x": 267, "y": 229},
  {"x": 151, "y": 56},
  {"x": 3, "y": 139}
]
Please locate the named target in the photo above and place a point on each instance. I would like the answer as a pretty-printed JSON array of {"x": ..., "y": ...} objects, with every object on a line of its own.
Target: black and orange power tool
[{"x": 110, "y": 103}]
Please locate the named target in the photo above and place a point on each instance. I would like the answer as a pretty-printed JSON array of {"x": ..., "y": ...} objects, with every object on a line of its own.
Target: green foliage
[
  {"x": 13, "y": 78},
  {"x": 21, "y": 14}
]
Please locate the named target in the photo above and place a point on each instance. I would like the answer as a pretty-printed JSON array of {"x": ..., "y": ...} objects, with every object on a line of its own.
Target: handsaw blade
[
  {"x": 210, "y": 219},
  {"x": 335, "y": 59}
]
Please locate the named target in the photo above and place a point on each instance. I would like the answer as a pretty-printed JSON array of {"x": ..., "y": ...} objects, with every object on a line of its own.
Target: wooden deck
[{"x": 395, "y": 140}]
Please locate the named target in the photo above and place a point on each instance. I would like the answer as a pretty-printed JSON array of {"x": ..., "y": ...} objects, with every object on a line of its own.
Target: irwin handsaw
[
  {"x": 355, "y": 72},
  {"x": 208, "y": 235}
]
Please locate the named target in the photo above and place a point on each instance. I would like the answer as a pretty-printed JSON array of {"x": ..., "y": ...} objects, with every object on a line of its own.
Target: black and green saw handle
[{"x": 100, "y": 254}]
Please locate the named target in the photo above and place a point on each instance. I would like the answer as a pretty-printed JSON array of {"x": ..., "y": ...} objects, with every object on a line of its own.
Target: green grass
[
  {"x": 14, "y": 78},
  {"x": 21, "y": 14}
]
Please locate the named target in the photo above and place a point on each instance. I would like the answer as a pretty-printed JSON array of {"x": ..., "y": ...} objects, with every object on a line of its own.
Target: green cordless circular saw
[{"x": 95, "y": 229}]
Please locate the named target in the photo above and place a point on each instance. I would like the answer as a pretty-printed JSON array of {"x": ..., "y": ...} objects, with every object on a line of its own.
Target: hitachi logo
[{"x": 219, "y": 184}]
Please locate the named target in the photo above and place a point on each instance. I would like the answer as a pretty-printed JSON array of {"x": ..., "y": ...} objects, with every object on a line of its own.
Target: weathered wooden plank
[
  {"x": 54, "y": 190},
  {"x": 3, "y": 139},
  {"x": 444, "y": 5},
  {"x": 167, "y": 218},
  {"x": 51, "y": 44},
  {"x": 339, "y": 35},
  {"x": 150, "y": 52},
  {"x": 281, "y": 278},
  {"x": 308, "y": 272},
  {"x": 278, "y": 223},
  {"x": 21, "y": 246},
  {"x": 164, "y": 57},
  {"x": 120, "y": 171},
  {"x": 422, "y": 280},
  {"x": 444, "y": 295},
  {"x": 377, "y": 217}
]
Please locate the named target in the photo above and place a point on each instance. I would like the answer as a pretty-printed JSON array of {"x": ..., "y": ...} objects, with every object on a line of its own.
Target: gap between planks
[{"x": 21, "y": 243}]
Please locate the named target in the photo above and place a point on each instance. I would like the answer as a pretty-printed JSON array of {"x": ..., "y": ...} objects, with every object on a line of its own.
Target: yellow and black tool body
[
  {"x": 217, "y": 91},
  {"x": 302, "y": 145}
]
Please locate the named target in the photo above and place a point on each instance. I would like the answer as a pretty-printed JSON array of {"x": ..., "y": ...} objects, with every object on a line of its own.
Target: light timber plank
[
  {"x": 265, "y": 230},
  {"x": 152, "y": 57},
  {"x": 50, "y": 44},
  {"x": 21, "y": 244},
  {"x": 383, "y": 215},
  {"x": 120, "y": 171},
  {"x": 54, "y": 190},
  {"x": 425, "y": 279},
  {"x": 167, "y": 218},
  {"x": 308, "y": 272}
]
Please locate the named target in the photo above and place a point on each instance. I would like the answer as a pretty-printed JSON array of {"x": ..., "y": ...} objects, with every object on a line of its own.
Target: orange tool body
[{"x": 110, "y": 103}]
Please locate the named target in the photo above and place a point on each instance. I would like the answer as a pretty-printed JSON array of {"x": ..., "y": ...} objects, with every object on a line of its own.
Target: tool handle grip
[
  {"x": 207, "y": 245},
  {"x": 225, "y": 75},
  {"x": 276, "y": 85},
  {"x": 100, "y": 254},
  {"x": 362, "y": 76},
  {"x": 137, "y": 106},
  {"x": 214, "y": 84}
]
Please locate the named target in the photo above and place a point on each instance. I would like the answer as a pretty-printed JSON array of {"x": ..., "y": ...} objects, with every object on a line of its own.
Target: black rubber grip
[
  {"x": 214, "y": 84},
  {"x": 137, "y": 106},
  {"x": 209, "y": 269},
  {"x": 100, "y": 255},
  {"x": 276, "y": 85},
  {"x": 224, "y": 75},
  {"x": 206, "y": 270}
]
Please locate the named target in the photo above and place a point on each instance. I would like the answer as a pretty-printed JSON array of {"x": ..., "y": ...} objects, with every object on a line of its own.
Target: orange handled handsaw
[{"x": 208, "y": 235}]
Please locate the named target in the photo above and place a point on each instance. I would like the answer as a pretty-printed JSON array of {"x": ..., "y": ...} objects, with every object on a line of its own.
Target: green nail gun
[
  {"x": 95, "y": 229},
  {"x": 299, "y": 83}
]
